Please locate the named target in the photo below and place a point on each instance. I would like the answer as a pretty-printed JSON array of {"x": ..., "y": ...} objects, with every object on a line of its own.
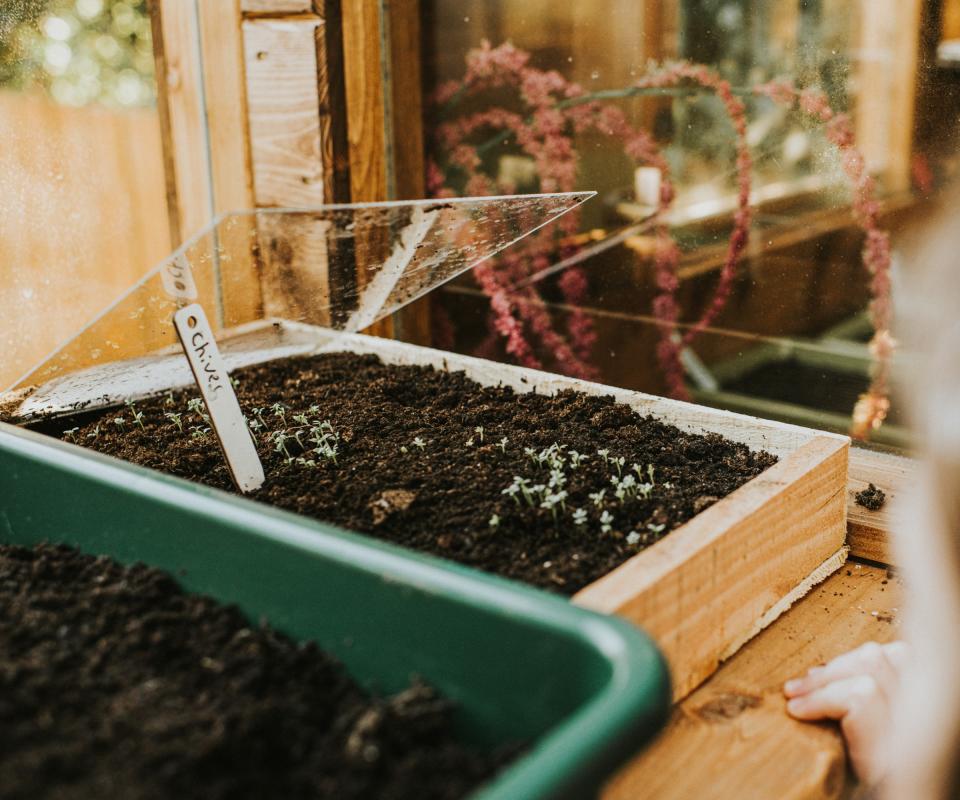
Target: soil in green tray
[
  {"x": 114, "y": 683},
  {"x": 555, "y": 491}
]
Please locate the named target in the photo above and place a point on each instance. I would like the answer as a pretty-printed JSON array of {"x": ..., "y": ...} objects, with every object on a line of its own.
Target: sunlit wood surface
[{"x": 82, "y": 216}]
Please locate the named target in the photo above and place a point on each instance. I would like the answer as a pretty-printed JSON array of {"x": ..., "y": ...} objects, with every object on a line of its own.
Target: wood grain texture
[
  {"x": 733, "y": 738},
  {"x": 278, "y": 7},
  {"x": 889, "y": 47},
  {"x": 283, "y": 111},
  {"x": 182, "y": 116},
  {"x": 869, "y": 531},
  {"x": 366, "y": 120},
  {"x": 231, "y": 174}
]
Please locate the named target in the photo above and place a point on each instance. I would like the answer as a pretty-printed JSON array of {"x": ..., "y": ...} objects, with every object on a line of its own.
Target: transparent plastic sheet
[
  {"x": 269, "y": 280},
  {"x": 812, "y": 378}
]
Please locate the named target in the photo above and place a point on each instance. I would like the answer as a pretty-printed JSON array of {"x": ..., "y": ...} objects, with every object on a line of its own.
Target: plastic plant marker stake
[{"x": 213, "y": 381}]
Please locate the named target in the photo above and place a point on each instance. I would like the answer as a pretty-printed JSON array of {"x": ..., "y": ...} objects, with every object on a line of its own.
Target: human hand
[{"x": 858, "y": 689}]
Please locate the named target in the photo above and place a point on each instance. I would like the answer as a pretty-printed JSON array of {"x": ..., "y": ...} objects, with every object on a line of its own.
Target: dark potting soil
[
  {"x": 114, "y": 683},
  {"x": 871, "y": 498},
  {"x": 427, "y": 459}
]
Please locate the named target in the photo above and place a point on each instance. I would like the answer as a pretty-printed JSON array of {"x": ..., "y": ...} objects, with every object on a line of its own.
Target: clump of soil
[
  {"x": 431, "y": 460},
  {"x": 871, "y": 498},
  {"x": 116, "y": 683}
]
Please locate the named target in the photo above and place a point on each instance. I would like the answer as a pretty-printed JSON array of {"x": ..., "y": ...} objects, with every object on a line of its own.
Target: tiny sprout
[
  {"x": 418, "y": 442},
  {"x": 494, "y": 521},
  {"x": 633, "y": 537},
  {"x": 656, "y": 528},
  {"x": 650, "y": 473},
  {"x": 606, "y": 518},
  {"x": 531, "y": 454},
  {"x": 597, "y": 497},
  {"x": 502, "y": 444},
  {"x": 618, "y": 463},
  {"x": 300, "y": 419},
  {"x": 576, "y": 459},
  {"x": 579, "y": 517},
  {"x": 603, "y": 454},
  {"x": 279, "y": 410},
  {"x": 70, "y": 434},
  {"x": 403, "y": 449},
  {"x": 198, "y": 431},
  {"x": 470, "y": 442},
  {"x": 551, "y": 501},
  {"x": 314, "y": 409},
  {"x": 175, "y": 418},
  {"x": 169, "y": 401},
  {"x": 254, "y": 424},
  {"x": 557, "y": 479},
  {"x": 479, "y": 431},
  {"x": 258, "y": 413},
  {"x": 280, "y": 442},
  {"x": 234, "y": 383},
  {"x": 119, "y": 422},
  {"x": 95, "y": 434},
  {"x": 513, "y": 490},
  {"x": 195, "y": 405},
  {"x": 138, "y": 418}
]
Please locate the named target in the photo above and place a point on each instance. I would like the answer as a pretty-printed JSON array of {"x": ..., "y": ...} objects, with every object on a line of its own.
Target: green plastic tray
[{"x": 587, "y": 690}]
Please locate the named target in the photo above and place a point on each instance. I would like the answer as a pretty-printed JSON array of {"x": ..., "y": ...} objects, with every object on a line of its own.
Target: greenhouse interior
[{"x": 490, "y": 399}]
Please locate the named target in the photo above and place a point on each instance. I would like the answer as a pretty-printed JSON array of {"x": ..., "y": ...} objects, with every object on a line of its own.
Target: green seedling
[{"x": 176, "y": 418}]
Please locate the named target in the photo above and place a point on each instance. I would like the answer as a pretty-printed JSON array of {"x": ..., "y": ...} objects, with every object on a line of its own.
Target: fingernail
[
  {"x": 795, "y": 706},
  {"x": 792, "y": 686}
]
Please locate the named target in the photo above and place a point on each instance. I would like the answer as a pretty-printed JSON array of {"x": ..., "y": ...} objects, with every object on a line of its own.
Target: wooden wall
[{"x": 82, "y": 216}]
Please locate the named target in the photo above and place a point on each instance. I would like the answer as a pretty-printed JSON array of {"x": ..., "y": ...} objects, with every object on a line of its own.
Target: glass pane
[
  {"x": 786, "y": 149},
  {"x": 341, "y": 268}
]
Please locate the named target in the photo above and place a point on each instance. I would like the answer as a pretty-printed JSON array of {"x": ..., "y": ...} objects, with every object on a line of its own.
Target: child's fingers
[
  {"x": 870, "y": 658},
  {"x": 837, "y": 699}
]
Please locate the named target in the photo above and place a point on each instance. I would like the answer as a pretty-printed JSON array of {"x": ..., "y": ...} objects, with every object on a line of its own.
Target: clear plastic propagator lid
[{"x": 268, "y": 280}]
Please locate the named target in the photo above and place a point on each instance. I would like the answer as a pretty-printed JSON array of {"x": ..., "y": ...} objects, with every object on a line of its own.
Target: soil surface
[
  {"x": 522, "y": 485},
  {"x": 114, "y": 683},
  {"x": 871, "y": 498}
]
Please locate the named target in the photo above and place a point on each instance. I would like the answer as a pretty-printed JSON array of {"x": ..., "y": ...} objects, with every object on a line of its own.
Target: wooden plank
[
  {"x": 332, "y": 102},
  {"x": 283, "y": 110},
  {"x": 365, "y": 95},
  {"x": 405, "y": 88},
  {"x": 869, "y": 531},
  {"x": 733, "y": 738},
  {"x": 367, "y": 120},
  {"x": 278, "y": 7},
  {"x": 62, "y": 261},
  {"x": 889, "y": 47},
  {"x": 231, "y": 175},
  {"x": 180, "y": 103}
]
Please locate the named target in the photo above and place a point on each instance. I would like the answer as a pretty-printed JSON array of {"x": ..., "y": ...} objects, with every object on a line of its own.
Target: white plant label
[
  {"x": 178, "y": 280},
  {"x": 226, "y": 418}
]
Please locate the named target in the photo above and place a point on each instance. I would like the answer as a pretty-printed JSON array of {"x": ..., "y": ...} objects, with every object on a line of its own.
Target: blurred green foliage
[{"x": 79, "y": 51}]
